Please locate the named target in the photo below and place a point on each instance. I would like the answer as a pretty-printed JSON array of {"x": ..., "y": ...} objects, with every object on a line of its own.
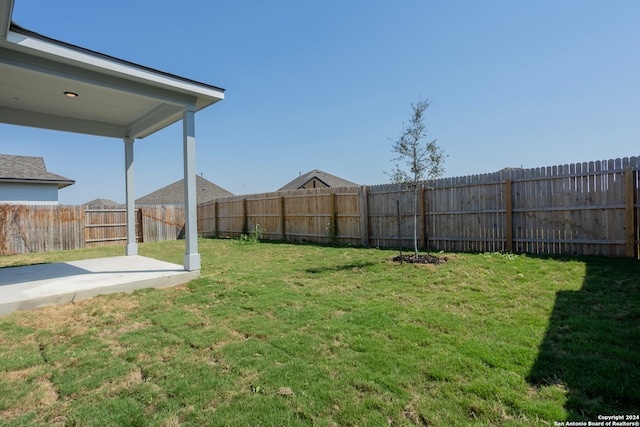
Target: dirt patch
[
  {"x": 285, "y": 391},
  {"x": 421, "y": 259}
]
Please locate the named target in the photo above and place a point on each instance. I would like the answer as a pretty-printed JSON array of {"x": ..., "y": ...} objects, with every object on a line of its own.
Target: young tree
[{"x": 423, "y": 161}]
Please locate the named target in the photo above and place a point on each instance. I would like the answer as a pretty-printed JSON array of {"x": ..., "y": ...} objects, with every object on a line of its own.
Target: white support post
[
  {"x": 132, "y": 245},
  {"x": 192, "y": 257}
]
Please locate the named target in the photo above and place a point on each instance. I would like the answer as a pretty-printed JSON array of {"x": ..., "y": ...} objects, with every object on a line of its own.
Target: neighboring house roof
[
  {"x": 102, "y": 202},
  {"x": 326, "y": 178},
  {"x": 29, "y": 170},
  {"x": 174, "y": 193}
]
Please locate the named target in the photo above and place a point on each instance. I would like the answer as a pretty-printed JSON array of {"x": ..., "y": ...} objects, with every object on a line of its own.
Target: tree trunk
[{"x": 415, "y": 221}]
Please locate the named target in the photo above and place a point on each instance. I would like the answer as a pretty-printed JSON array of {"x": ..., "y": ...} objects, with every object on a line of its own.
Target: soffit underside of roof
[{"x": 32, "y": 94}]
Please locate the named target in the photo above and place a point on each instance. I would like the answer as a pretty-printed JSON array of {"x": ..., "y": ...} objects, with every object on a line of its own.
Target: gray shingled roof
[
  {"x": 174, "y": 193},
  {"x": 327, "y": 178},
  {"x": 29, "y": 169},
  {"x": 101, "y": 202}
]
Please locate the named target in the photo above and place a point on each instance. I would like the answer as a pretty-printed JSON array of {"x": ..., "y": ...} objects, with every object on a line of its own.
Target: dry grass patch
[{"x": 32, "y": 389}]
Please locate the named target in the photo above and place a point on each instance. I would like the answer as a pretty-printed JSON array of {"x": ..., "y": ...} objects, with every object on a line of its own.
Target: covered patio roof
[
  {"x": 50, "y": 84},
  {"x": 115, "y": 98}
]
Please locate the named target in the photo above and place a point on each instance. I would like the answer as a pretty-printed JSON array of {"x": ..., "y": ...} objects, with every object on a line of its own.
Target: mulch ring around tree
[{"x": 421, "y": 259}]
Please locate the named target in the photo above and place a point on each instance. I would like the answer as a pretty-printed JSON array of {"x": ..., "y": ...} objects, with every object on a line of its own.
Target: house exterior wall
[{"x": 29, "y": 194}]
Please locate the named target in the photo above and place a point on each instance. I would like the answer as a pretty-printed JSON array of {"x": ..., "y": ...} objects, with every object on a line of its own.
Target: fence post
[
  {"x": 508, "y": 231},
  {"x": 333, "y": 228},
  {"x": 245, "y": 218},
  {"x": 629, "y": 213},
  {"x": 85, "y": 230},
  {"x": 423, "y": 218},
  {"x": 364, "y": 216},
  {"x": 139, "y": 226},
  {"x": 216, "y": 225},
  {"x": 282, "y": 220}
]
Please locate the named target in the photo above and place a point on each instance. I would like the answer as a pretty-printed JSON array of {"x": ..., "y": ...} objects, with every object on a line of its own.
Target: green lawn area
[{"x": 300, "y": 335}]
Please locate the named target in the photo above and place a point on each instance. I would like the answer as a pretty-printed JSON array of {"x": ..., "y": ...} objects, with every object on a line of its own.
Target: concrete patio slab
[{"x": 29, "y": 287}]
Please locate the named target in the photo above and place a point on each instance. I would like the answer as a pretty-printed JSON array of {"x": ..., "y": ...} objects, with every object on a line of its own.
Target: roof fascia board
[
  {"x": 66, "y": 53},
  {"x": 19, "y": 117},
  {"x": 45, "y": 66},
  {"x": 59, "y": 183}
]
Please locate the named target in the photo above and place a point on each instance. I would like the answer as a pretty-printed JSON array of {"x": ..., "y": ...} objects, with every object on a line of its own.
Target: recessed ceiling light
[{"x": 71, "y": 94}]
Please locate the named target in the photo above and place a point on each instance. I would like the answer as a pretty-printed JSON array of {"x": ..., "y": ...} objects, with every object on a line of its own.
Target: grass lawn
[{"x": 297, "y": 335}]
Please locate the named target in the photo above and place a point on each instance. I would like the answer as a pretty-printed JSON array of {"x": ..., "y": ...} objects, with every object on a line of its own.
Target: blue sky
[{"x": 326, "y": 84}]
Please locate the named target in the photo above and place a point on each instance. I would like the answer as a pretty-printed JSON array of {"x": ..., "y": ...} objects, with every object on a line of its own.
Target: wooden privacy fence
[
  {"x": 314, "y": 215},
  {"x": 584, "y": 208},
  {"x": 580, "y": 209},
  {"x": 25, "y": 228},
  {"x": 108, "y": 226},
  {"x": 162, "y": 222}
]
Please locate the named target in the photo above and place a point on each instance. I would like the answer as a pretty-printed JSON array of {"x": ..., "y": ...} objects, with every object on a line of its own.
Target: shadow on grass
[
  {"x": 592, "y": 344},
  {"x": 344, "y": 267}
]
